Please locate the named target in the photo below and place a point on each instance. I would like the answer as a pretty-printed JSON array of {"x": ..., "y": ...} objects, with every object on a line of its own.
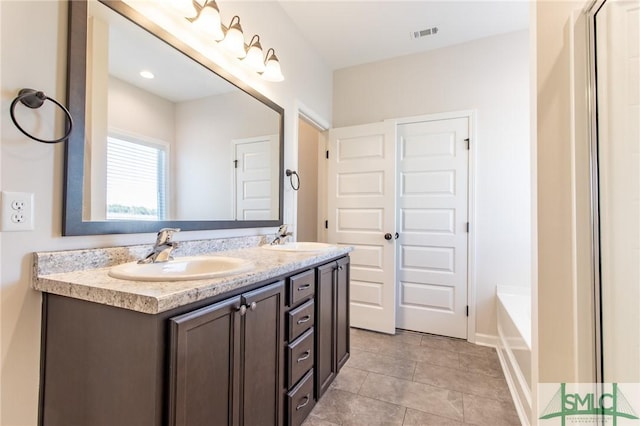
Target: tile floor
[{"x": 416, "y": 379}]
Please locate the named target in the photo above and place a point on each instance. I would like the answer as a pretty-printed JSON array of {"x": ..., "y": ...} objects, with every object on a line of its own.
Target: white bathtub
[{"x": 514, "y": 345}]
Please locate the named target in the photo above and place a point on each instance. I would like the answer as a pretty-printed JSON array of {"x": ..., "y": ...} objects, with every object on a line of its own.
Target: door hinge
[
  {"x": 468, "y": 141},
  {"x": 235, "y": 164},
  {"x": 468, "y": 227},
  {"x": 467, "y": 310},
  {"x": 326, "y": 224},
  {"x": 327, "y": 153}
]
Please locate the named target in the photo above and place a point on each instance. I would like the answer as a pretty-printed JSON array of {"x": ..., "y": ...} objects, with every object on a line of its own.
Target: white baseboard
[
  {"x": 486, "y": 340},
  {"x": 493, "y": 341}
]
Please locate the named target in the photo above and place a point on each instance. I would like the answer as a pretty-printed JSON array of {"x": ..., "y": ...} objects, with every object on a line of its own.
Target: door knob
[{"x": 388, "y": 236}]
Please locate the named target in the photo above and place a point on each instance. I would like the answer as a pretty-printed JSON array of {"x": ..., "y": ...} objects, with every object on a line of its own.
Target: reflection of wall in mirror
[
  {"x": 114, "y": 105},
  {"x": 200, "y": 133},
  {"x": 94, "y": 190},
  {"x": 205, "y": 128},
  {"x": 140, "y": 116}
]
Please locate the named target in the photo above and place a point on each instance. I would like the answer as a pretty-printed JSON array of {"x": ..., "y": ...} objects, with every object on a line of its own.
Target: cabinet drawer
[
  {"x": 300, "y": 400},
  {"x": 300, "y": 319},
  {"x": 300, "y": 357},
  {"x": 301, "y": 287}
]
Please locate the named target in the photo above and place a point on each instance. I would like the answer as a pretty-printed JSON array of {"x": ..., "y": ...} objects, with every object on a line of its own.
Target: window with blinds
[{"x": 136, "y": 180}]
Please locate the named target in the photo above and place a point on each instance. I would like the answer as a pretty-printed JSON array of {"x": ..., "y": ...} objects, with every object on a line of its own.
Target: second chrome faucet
[
  {"x": 281, "y": 235},
  {"x": 164, "y": 245}
]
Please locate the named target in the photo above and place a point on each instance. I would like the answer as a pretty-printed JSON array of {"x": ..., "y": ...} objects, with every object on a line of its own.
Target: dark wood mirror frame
[{"x": 72, "y": 220}]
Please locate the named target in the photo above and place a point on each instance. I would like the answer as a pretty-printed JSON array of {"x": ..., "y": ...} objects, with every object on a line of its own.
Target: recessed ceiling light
[{"x": 146, "y": 74}]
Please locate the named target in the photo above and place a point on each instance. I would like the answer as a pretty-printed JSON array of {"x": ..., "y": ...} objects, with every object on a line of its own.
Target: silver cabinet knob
[
  {"x": 253, "y": 306},
  {"x": 242, "y": 309}
]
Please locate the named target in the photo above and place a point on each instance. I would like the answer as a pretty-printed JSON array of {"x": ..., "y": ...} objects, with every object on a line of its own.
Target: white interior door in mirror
[{"x": 256, "y": 181}]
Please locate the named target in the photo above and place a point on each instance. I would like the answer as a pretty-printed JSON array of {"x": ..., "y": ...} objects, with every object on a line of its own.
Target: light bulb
[
  {"x": 272, "y": 70},
  {"x": 208, "y": 21},
  {"x": 234, "y": 39},
  {"x": 254, "y": 56}
]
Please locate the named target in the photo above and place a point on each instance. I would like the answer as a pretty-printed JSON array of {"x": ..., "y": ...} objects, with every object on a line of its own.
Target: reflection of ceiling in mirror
[{"x": 132, "y": 49}]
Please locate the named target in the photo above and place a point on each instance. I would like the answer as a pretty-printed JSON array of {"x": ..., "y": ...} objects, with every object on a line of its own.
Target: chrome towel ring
[{"x": 34, "y": 99}]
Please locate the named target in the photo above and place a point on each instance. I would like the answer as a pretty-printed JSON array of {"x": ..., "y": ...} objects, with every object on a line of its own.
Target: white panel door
[
  {"x": 256, "y": 186},
  {"x": 432, "y": 222},
  {"x": 361, "y": 206}
]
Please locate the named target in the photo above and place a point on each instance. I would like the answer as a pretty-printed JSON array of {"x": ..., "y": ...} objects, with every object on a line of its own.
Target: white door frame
[
  {"x": 323, "y": 125},
  {"x": 471, "y": 247}
]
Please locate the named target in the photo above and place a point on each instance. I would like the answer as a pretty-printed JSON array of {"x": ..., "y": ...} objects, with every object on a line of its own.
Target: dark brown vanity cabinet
[
  {"x": 226, "y": 361},
  {"x": 332, "y": 322},
  {"x": 258, "y": 356}
]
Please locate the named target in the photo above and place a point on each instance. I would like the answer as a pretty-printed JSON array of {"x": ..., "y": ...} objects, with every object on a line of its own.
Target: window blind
[{"x": 136, "y": 177}]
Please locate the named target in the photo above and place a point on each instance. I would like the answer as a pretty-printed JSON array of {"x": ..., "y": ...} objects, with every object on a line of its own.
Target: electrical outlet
[
  {"x": 17, "y": 211},
  {"x": 17, "y": 218}
]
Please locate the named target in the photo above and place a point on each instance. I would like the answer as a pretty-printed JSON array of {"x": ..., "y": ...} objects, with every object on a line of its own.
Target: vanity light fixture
[
  {"x": 234, "y": 38},
  {"x": 254, "y": 56},
  {"x": 208, "y": 19},
  {"x": 272, "y": 70}
]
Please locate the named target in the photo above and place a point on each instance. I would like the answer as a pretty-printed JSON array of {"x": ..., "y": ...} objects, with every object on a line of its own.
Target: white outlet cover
[{"x": 17, "y": 204}]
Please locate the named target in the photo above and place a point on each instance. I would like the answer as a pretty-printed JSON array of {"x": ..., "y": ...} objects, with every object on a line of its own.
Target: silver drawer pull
[
  {"x": 304, "y": 287},
  {"x": 305, "y": 355},
  {"x": 306, "y": 401},
  {"x": 304, "y": 319}
]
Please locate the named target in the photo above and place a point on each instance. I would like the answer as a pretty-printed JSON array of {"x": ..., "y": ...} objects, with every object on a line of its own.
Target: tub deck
[{"x": 514, "y": 345}]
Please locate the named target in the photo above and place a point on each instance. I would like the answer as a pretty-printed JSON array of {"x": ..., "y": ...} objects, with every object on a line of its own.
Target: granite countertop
[{"x": 94, "y": 284}]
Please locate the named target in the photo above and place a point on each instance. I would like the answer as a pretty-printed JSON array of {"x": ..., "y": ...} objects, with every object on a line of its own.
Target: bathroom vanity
[{"x": 255, "y": 348}]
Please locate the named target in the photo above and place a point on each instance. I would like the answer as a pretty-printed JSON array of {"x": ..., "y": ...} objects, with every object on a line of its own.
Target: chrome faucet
[
  {"x": 282, "y": 235},
  {"x": 161, "y": 251}
]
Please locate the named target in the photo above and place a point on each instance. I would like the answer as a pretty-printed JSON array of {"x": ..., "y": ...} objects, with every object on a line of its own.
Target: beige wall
[
  {"x": 491, "y": 76},
  {"x": 33, "y": 48},
  {"x": 564, "y": 309},
  {"x": 307, "y": 229}
]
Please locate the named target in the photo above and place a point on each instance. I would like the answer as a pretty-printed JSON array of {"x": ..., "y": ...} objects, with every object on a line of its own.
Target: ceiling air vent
[{"x": 424, "y": 33}]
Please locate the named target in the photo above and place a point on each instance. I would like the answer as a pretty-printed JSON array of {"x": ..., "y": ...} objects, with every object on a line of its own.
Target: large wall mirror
[{"x": 192, "y": 147}]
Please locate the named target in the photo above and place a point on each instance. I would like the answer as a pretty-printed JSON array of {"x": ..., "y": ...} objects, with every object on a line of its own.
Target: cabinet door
[
  {"x": 326, "y": 366},
  {"x": 262, "y": 356},
  {"x": 342, "y": 312},
  {"x": 204, "y": 355}
]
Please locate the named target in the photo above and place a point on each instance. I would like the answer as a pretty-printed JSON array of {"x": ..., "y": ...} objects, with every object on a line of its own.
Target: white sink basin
[
  {"x": 181, "y": 269},
  {"x": 298, "y": 246}
]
